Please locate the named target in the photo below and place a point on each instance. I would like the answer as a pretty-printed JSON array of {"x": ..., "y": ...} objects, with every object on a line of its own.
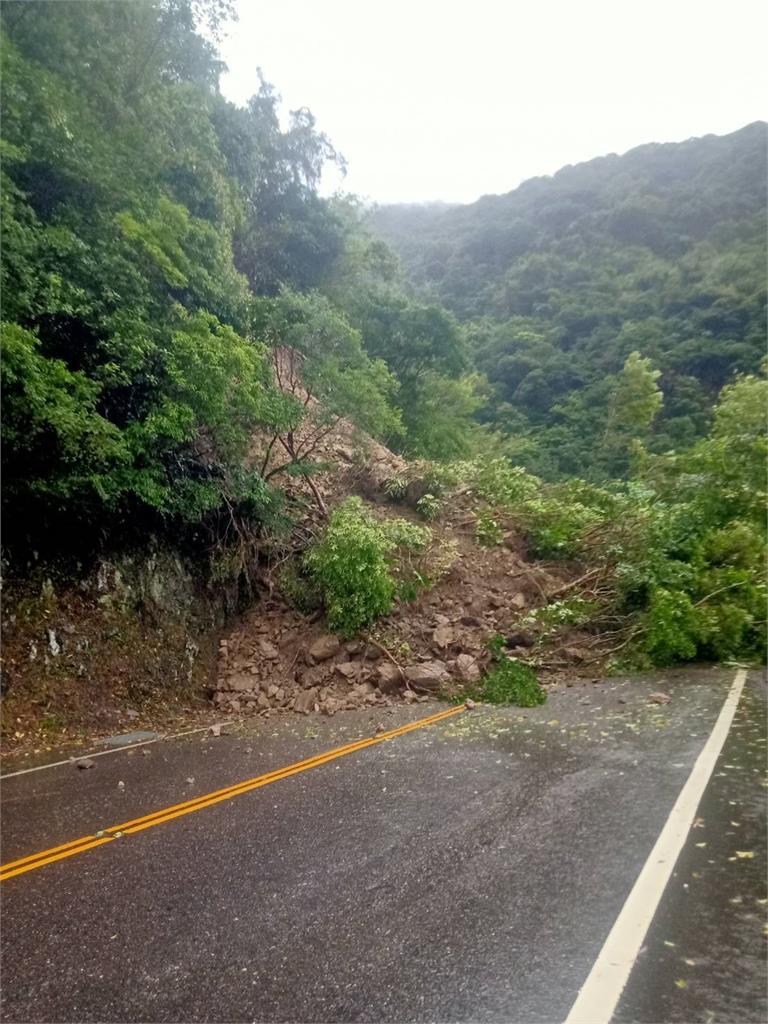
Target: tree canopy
[{"x": 158, "y": 245}]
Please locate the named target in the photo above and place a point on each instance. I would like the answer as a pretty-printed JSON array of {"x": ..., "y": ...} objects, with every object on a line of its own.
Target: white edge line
[
  {"x": 101, "y": 753},
  {"x": 600, "y": 993}
]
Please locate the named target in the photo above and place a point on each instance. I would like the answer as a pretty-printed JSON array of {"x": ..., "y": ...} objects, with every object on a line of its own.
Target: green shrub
[
  {"x": 299, "y": 589},
  {"x": 508, "y": 681},
  {"x": 356, "y": 568},
  {"x": 554, "y": 528},
  {"x": 501, "y": 483},
  {"x": 395, "y": 487},
  {"x": 487, "y": 530},
  {"x": 572, "y": 611},
  {"x": 672, "y": 627},
  {"x": 512, "y": 682},
  {"x": 429, "y": 506}
]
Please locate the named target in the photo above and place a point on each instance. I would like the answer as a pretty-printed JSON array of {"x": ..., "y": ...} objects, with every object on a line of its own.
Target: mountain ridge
[{"x": 661, "y": 251}]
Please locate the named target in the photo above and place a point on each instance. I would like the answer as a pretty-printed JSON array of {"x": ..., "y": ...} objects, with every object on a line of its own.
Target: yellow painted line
[
  {"x": 113, "y": 832},
  {"x": 42, "y": 860}
]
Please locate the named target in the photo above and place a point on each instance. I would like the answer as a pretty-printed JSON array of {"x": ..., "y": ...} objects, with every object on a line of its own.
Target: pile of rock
[{"x": 327, "y": 675}]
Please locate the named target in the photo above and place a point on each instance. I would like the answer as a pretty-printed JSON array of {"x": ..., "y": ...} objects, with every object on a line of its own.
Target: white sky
[{"x": 437, "y": 99}]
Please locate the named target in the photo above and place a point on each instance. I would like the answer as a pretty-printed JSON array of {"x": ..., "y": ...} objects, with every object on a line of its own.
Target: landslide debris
[{"x": 278, "y": 659}]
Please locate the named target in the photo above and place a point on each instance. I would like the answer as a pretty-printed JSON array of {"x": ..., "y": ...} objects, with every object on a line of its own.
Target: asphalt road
[{"x": 467, "y": 871}]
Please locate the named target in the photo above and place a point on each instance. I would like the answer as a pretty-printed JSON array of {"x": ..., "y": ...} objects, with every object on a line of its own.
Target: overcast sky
[{"x": 439, "y": 99}]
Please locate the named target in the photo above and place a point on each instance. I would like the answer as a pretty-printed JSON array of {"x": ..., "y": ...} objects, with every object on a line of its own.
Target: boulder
[
  {"x": 467, "y": 668},
  {"x": 388, "y": 677},
  {"x": 324, "y": 647},
  {"x": 429, "y": 676},
  {"x": 363, "y": 691},
  {"x": 518, "y": 601},
  {"x": 331, "y": 705},
  {"x": 575, "y": 654},
  {"x": 239, "y": 683},
  {"x": 305, "y": 701},
  {"x": 443, "y": 636},
  {"x": 348, "y": 669},
  {"x": 314, "y": 676},
  {"x": 267, "y": 650}
]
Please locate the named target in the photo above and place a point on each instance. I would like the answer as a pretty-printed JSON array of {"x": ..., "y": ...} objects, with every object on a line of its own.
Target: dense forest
[
  {"x": 158, "y": 242},
  {"x": 660, "y": 251},
  {"x": 163, "y": 249}
]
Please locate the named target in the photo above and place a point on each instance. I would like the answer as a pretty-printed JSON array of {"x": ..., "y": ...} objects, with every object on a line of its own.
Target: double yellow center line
[{"x": 115, "y": 832}]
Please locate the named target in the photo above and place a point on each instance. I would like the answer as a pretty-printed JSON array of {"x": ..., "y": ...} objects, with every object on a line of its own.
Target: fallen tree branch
[
  {"x": 592, "y": 574},
  {"x": 714, "y": 593},
  {"x": 384, "y": 651},
  {"x": 612, "y": 650}
]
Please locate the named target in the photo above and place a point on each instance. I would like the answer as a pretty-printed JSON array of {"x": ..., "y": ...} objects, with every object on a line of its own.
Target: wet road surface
[{"x": 468, "y": 871}]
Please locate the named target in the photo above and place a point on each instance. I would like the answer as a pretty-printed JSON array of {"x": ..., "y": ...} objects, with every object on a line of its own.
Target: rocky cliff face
[{"x": 82, "y": 652}]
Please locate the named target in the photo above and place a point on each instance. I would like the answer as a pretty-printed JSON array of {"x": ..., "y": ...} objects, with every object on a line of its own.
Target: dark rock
[
  {"x": 314, "y": 676},
  {"x": 519, "y": 640},
  {"x": 574, "y": 654},
  {"x": 388, "y": 677}
]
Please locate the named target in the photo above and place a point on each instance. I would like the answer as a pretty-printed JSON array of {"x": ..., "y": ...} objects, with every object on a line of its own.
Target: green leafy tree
[
  {"x": 634, "y": 404},
  {"x": 133, "y": 379}
]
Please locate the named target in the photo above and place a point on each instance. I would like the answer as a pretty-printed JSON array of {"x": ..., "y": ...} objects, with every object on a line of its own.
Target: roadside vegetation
[{"x": 190, "y": 332}]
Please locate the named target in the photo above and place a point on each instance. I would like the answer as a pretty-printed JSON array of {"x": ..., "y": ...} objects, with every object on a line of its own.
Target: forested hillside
[
  {"x": 660, "y": 251},
  {"x": 218, "y": 385},
  {"x": 159, "y": 245}
]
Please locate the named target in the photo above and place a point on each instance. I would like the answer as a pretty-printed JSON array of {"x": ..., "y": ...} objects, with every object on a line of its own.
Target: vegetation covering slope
[
  {"x": 660, "y": 251},
  {"x": 187, "y": 325},
  {"x": 159, "y": 244}
]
